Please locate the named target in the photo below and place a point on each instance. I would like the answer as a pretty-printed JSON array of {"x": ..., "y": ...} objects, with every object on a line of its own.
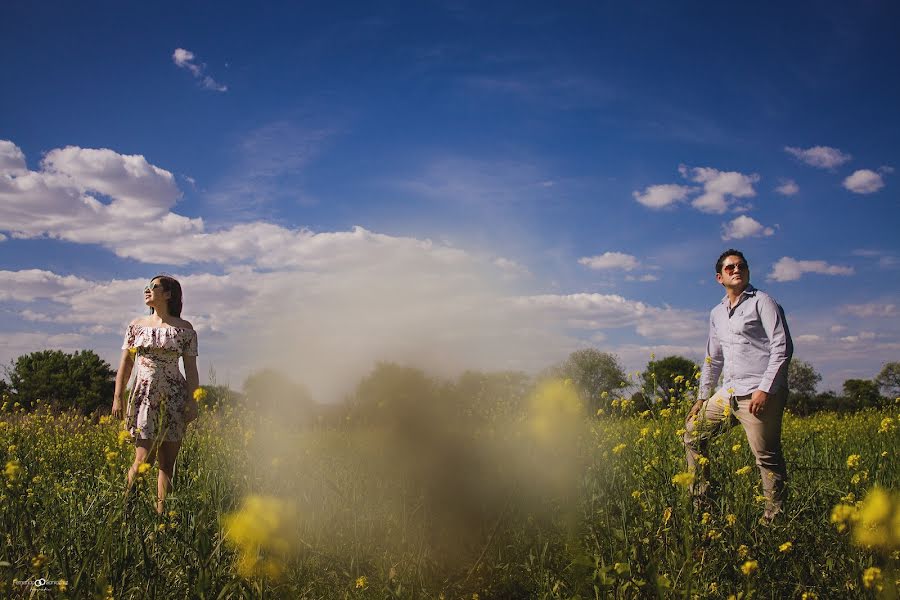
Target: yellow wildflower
[
  {"x": 361, "y": 582},
  {"x": 143, "y": 468},
  {"x": 743, "y": 470},
  {"x": 887, "y": 425},
  {"x": 684, "y": 479},
  {"x": 878, "y": 521},
  {"x": 111, "y": 456},
  {"x": 785, "y": 547},
  {"x": 853, "y": 461},
  {"x": 38, "y": 562},
  {"x": 13, "y": 468},
  {"x": 872, "y": 578},
  {"x": 842, "y": 516},
  {"x": 736, "y": 448},
  {"x": 750, "y": 567},
  {"x": 743, "y": 551},
  {"x": 730, "y": 519},
  {"x": 809, "y": 596},
  {"x": 619, "y": 448},
  {"x": 262, "y": 532},
  {"x": 200, "y": 394}
]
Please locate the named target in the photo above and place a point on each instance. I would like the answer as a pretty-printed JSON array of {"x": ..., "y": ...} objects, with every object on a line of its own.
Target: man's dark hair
[{"x": 726, "y": 254}]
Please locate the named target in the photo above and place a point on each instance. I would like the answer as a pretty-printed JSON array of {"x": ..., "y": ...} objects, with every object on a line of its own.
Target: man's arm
[
  {"x": 712, "y": 364},
  {"x": 781, "y": 348},
  {"x": 712, "y": 367}
]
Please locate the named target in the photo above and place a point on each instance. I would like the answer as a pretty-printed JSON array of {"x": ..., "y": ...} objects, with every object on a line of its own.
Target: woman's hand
[
  {"x": 191, "y": 410},
  {"x": 117, "y": 408}
]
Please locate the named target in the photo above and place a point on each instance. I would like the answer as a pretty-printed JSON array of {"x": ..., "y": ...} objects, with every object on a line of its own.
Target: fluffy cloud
[
  {"x": 789, "y": 269},
  {"x": 186, "y": 60},
  {"x": 720, "y": 188},
  {"x": 31, "y": 284},
  {"x": 743, "y": 227},
  {"x": 717, "y": 194},
  {"x": 89, "y": 196},
  {"x": 788, "y": 187},
  {"x": 822, "y": 157},
  {"x": 610, "y": 260},
  {"x": 660, "y": 196},
  {"x": 864, "y": 181},
  {"x": 872, "y": 309}
]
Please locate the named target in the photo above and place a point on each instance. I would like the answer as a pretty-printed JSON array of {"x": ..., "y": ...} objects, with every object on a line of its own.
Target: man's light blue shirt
[{"x": 751, "y": 343}]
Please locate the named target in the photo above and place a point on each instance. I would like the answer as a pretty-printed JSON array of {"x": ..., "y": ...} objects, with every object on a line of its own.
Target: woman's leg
[
  {"x": 144, "y": 452},
  {"x": 166, "y": 455}
]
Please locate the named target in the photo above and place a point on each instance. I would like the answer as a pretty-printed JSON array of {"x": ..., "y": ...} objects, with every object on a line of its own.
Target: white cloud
[
  {"x": 872, "y": 309},
  {"x": 660, "y": 196},
  {"x": 643, "y": 278},
  {"x": 864, "y": 181},
  {"x": 808, "y": 338},
  {"x": 12, "y": 160},
  {"x": 838, "y": 328},
  {"x": 862, "y": 336},
  {"x": 720, "y": 188},
  {"x": 186, "y": 60},
  {"x": 610, "y": 260},
  {"x": 822, "y": 157},
  {"x": 31, "y": 284},
  {"x": 789, "y": 269},
  {"x": 511, "y": 268},
  {"x": 788, "y": 187},
  {"x": 743, "y": 227}
]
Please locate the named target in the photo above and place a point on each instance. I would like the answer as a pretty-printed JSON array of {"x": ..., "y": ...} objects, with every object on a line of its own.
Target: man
[{"x": 748, "y": 340}]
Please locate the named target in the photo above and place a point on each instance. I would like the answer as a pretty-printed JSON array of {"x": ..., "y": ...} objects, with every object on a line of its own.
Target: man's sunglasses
[{"x": 734, "y": 267}]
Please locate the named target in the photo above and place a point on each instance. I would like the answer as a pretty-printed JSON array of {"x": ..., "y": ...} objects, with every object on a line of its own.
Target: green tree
[
  {"x": 802, "y": 382},
  {"x": 668, "y": 378},
  {"x": 271, "y": 392},
  {"x": 496, "y": 395},
  {"x": 81, "y": 381},
  {"x": 861, "y": 393},
  {"x": 889, "y": 379},
  {"x": 593, "y": 372},
  {"x": 392, "y": 391}
]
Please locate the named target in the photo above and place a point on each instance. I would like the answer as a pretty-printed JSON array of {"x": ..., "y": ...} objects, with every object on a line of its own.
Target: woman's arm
[
  {"x": 122, "y": 376},
  {"x": 193, "y": 382}
]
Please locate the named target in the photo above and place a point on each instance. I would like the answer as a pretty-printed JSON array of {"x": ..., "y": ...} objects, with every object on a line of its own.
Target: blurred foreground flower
[
  {"x": 261, "y": 533},
  {"x": 556, "y": 411},
  {"x": 875, "y": 521}
]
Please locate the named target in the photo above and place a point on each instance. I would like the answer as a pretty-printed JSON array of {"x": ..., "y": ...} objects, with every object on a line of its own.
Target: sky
[{"x": 450, "y": 184}]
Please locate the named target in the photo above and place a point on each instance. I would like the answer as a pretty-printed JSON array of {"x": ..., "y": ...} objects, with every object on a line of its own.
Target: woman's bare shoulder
[
  {"x": 138, "y": 322},
  {"x": 183, "y": 323}
]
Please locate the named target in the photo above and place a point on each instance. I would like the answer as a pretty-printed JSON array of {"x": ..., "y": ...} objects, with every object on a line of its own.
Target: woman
[{"x": 162, "y": 401}]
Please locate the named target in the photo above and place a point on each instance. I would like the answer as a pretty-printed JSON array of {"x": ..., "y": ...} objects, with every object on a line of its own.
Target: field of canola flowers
[{"x": 549, "y": 503}]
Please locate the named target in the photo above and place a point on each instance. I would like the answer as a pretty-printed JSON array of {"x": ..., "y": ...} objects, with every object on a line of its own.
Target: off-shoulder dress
[{"x": 158, "y": 397}]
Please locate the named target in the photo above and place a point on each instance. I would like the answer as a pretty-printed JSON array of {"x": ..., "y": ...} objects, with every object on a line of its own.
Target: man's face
[{"x": 735, "y": 273}]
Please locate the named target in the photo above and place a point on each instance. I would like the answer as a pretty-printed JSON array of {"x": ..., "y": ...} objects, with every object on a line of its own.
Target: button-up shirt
[{"x": 751, "y": 343}]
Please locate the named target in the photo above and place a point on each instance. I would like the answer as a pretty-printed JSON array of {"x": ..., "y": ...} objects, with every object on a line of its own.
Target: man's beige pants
[{"x": 763, "y": 435}]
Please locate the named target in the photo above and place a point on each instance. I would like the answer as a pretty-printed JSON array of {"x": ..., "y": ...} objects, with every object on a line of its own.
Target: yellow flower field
[{"x": 550, "y": 503}]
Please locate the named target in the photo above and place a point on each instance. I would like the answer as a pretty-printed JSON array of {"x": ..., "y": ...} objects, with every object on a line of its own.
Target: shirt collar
[{"x": 748, "y": 291}]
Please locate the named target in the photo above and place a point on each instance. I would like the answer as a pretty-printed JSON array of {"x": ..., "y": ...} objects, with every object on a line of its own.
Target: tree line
[{"x": 83, "y": 382}]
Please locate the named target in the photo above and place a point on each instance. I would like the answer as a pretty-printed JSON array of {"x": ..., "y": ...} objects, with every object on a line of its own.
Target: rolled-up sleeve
[
  {"x": 712, "y": 364},
  {"x": 781, "y": 347}
]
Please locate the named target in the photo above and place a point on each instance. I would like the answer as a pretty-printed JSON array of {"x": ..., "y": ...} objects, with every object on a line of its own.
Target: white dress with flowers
[{"x": 158, "y": 397}]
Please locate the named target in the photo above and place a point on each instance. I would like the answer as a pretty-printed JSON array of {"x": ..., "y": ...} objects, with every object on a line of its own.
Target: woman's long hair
[{"x": 171, "y": 285}]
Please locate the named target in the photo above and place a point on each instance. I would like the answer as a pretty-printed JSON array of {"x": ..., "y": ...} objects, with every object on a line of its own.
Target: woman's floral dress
[{"x": 156, "y": 407}]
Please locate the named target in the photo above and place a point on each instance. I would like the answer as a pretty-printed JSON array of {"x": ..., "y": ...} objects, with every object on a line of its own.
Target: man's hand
[
  {"x": 695, "y": 409},
  {"x": 758, "y": 402}
]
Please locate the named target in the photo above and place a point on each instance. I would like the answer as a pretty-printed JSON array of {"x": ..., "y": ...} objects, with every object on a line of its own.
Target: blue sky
[{"x": 460, "y": 184}]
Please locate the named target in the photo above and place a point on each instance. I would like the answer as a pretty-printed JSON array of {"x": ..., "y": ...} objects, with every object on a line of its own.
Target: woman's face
[{"x": 155, "y": 295}]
